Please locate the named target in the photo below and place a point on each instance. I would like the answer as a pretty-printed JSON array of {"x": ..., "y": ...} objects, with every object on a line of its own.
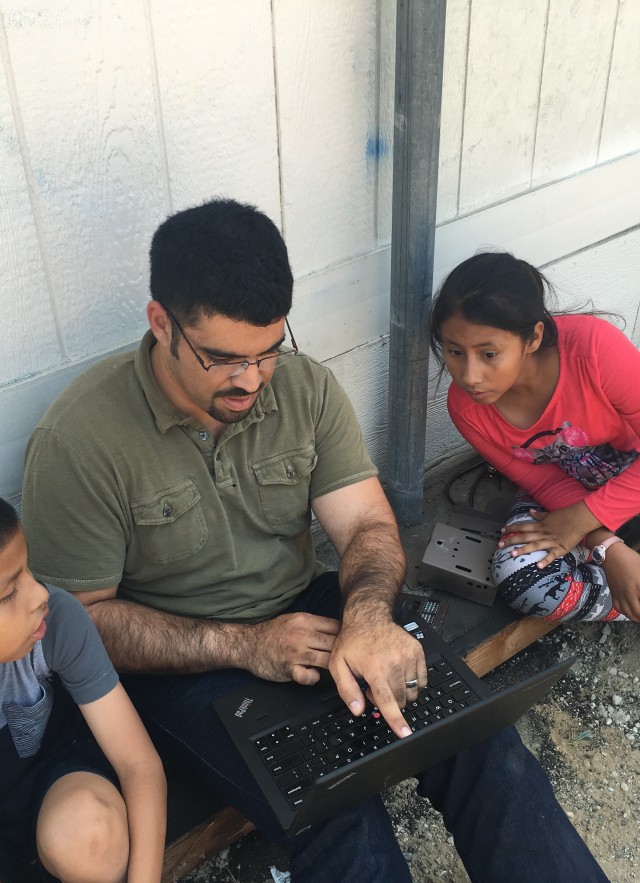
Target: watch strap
[{"x": 601, "y": 549}]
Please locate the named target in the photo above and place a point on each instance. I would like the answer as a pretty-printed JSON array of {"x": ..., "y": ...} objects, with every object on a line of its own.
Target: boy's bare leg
[{"x": 82, "y": 833}]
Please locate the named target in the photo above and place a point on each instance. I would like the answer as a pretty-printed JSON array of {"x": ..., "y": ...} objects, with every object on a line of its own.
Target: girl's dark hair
[
  {"x": 9, "y": 522},
  {"x": 495, "y": 289}
]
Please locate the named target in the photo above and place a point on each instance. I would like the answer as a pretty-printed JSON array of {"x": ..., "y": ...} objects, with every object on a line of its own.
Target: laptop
[{"x": 313, "y": 759}]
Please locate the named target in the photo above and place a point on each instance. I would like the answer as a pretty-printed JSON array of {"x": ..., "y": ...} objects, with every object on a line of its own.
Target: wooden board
[
  {"x": 326, "y": 57},
  {"x": 573, "y": 87},
  {"x": 511, "y": 639},
  {"x": 216, "y": 101},
  {"x": 502, "y": 88},
  {"x": 88, "y": 135},
  {"x": 206, "y": 839},
  {"x": 27, "y": 313},
  {"x": 454, "y": 84},
  {"x": 620, "y": 123}
]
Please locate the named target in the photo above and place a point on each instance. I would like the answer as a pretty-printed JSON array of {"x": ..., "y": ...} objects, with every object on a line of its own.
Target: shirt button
[
  {"x": 167, "y": 511},
  {"x": 291, "y": 472},
  {"x": 218, "y": 456},
  {"x": 204, "y": 436}
]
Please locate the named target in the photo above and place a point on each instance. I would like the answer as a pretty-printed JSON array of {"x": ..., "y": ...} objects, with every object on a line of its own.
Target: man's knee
[
  {"x": 82, "y": 831},
  {"x": 506, "y": 749}
]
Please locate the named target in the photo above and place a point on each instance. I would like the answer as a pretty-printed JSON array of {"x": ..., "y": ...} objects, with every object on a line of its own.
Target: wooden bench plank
[
  {"x": 513, "y": 638},
  {"x": 203, "y": 841}
]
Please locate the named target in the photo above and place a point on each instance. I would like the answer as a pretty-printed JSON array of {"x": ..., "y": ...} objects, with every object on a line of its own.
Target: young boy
[{"x": 89, "y": 803}]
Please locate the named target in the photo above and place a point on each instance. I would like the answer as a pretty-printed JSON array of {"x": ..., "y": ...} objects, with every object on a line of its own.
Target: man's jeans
[{"x": 495, "y": 798}]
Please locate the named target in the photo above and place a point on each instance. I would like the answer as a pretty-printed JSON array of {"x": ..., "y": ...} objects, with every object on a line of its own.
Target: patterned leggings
[{"x": 567, "y": 589}]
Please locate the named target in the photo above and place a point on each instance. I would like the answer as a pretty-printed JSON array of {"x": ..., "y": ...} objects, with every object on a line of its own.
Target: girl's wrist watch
[{"x": 599, "y": 552}]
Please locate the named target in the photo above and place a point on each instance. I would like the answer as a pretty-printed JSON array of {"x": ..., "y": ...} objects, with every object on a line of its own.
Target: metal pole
[{"x": 418, "y": 92}]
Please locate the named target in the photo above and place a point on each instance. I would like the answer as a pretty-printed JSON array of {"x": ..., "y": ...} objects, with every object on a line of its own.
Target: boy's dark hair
[
  {"x": 495, "y": 289},
  {"x": 221, "y": 257},
  {"x": 9, "y": 523}
]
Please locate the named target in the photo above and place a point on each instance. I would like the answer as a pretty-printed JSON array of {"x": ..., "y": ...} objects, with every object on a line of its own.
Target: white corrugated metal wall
[{"x": 115, "y": 113}]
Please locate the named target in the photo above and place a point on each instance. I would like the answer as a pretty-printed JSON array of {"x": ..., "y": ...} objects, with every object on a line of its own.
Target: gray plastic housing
[{"x": 458, "y": 560}]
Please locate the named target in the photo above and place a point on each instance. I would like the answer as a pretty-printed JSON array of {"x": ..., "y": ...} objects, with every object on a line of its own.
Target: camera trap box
[
  {"x": 476, "y": 521},
  {"x": 458, "y": 558}
]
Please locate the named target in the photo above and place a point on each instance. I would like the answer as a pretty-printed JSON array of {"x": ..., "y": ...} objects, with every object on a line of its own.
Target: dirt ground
[{"x": 586, "y": 734}]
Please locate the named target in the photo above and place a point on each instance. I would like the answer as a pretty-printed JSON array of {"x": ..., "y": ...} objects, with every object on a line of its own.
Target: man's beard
[{"x": 226, "y": 416}]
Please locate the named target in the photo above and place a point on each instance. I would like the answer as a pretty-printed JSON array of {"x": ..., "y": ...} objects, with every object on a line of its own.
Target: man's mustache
[{"x": 235, "y": 392}]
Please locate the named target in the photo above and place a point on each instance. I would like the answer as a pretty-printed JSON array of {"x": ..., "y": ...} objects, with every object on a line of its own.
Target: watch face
[{"x": 597, "y": 554}]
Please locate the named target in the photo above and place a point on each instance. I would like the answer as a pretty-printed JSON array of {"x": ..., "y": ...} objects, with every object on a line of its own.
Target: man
[{"x": 171, "y": 489}]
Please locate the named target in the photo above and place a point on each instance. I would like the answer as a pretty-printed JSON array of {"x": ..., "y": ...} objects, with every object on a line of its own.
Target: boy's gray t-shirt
[{"x": 71, "y": 647}]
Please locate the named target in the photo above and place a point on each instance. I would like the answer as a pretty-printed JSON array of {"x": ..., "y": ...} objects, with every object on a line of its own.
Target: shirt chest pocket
[
  {"x": 28, "y": 723},
  {"x": 283, "y": 485},
  {"x": 170, "y": 525}
]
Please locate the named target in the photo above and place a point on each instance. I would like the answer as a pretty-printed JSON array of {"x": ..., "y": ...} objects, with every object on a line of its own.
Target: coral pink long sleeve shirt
[{"x": 585, "y": 445}]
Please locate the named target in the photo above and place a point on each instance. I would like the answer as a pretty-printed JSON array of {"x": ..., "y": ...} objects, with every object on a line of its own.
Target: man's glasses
[{"x": 234, "y": 368}]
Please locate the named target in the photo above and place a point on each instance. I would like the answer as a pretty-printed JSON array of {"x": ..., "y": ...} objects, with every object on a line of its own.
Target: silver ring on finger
[{"x": 412, "y": 684}]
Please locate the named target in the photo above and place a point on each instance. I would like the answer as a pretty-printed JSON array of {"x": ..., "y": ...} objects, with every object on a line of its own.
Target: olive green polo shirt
[{"x": 121, "y": 490}]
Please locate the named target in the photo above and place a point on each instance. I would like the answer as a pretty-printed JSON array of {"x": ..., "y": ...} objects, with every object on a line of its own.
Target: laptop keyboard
[{"x": 297, "y": 755}]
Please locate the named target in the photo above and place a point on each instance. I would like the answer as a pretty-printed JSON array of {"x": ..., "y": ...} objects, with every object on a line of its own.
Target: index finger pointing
[{"x": 382, "y": 696}]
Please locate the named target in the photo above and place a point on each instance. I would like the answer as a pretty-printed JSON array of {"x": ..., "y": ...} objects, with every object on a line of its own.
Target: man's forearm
[
  {"x": 371, "y": 572},
  {"x": 141, "y": 639}
]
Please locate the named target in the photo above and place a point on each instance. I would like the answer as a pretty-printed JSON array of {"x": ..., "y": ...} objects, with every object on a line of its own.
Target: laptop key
[
  {"x": 347, "y": 751},
  {"x": 299, "y": 787},
  {"x": 302, "y": 729},
  {"x": 332, "y": 757},
  {"x": 285, "y": 733},
  {"x": 440, "y": 676},
  {"x": 291, "y": 761},
  {"x": 285, "y": 780},
  {"x": 452, "y": 685},
  {"x": 283, "y": 750}
]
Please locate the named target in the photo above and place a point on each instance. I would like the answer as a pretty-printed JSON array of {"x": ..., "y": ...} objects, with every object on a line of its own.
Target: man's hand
[
  {"x": 386, "y": 657},
  {"x": 554, "y": 532},
  {"x": 139, "y": 639},
  {"x": 370, "y": 647},
  {"x": 291, "y": 647},
  {"x": 622, "y": 569}
]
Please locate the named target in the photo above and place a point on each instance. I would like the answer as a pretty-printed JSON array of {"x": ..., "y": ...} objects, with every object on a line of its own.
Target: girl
[{"x": 553, "y": 403}]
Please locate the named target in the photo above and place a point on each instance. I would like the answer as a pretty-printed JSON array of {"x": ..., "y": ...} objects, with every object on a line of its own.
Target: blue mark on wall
[{"x": 377, "y": 147}]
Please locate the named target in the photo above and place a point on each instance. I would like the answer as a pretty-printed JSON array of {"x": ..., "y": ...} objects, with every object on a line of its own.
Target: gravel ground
[{"x": 586, "y": 734}]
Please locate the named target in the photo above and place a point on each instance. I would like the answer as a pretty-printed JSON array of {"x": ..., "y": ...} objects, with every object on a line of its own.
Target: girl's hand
[
  {"x": 622, "y": 569},
  {"x": 554, "y": 532}
]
